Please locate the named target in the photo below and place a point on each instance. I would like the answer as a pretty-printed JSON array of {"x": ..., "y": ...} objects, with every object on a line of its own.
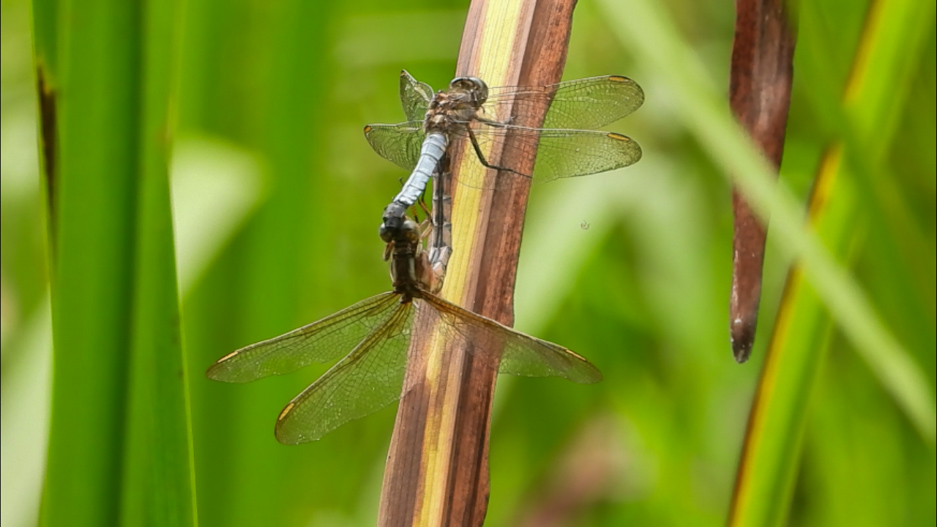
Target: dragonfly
[
  {"x": 378, "y": 331},
  {"x": 395, "y": 214},
  {"x": 564, "y": 147}
]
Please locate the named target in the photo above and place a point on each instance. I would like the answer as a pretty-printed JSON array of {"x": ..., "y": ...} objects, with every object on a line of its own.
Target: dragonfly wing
[
  {"x": 571, "y": 153},
  {"x": 322, "y": 341},
  {"x": 514, "y": 352},
  {"x": 366, "y": 380},
  {"x": 578, "y": 104},
  {"x": 559, "y": 153},
  {"x": 415, "y": 96},
  {"x": 398, "y": 143}
]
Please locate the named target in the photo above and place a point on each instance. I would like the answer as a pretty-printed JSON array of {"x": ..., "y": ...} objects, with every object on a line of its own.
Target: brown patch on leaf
[{"x": 48, "y": 133}]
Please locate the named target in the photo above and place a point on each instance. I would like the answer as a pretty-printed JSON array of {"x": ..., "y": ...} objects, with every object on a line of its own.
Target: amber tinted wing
[
  {"x": 372, "y": 375},
  {"x": 323, "y": 341},
  {"x": 513, "y": 352},
  {"x": 366, "y": 380}
]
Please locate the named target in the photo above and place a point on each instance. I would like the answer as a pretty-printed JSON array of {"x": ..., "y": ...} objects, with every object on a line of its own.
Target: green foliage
[
  {"x": 119, "y": 443},
  {"x": 277, "y": 198}
]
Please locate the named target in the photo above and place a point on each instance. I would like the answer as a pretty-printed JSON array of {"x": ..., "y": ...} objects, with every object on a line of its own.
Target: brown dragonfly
[{"x": 377, "y": 331}]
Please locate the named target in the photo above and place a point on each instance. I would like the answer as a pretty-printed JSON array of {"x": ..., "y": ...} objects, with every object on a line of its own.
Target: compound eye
[
  {"x": 479, "y": 87},
  {"x": 386, "y": 233},
  {"x": 411, "y": 230},
  {"x": 460, "y": 82}
]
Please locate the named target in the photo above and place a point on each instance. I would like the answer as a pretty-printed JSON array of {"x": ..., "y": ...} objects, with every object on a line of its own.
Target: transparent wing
[
  {"x": 514, "y": 352},
  {"x": 578, "y": 104},
  {"x": 414, "y": 96},
  {"x": 366, "y": 380},
  {"x": 398, "y": 143},
  {"x": 322, "y": 341},
  {"x": 567, "y": 148},
  {"x": 571, "y": 153},
  {"x": 372, "y": 375},
  {"x": 559, "y": 153}
]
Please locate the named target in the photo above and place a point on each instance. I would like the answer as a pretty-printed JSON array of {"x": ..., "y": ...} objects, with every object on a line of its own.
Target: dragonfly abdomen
[{"x": 432, "y": 151}]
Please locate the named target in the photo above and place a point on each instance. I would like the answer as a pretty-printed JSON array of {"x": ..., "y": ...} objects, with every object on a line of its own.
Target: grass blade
[
  {"x": 92, "y": 217},
  {"x": 703, "y": 110},
  {"x": 119, "y": 445},
  {"x": 158, "y": 473}
]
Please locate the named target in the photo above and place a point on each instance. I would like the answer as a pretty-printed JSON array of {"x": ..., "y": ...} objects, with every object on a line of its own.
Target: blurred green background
[{"x": 276, "y": 199}]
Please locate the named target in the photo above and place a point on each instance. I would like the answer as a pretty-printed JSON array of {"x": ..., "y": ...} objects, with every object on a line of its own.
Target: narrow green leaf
[
  {"x": 795, "y": 356},
  {"x": 120, "y": 446},
  {"x": 158, "y": 486},
  {"x": 92, "y": 250}
]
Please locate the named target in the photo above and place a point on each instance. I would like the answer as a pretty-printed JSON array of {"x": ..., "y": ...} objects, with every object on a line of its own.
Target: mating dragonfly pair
[{"x": 378, "y": 329}]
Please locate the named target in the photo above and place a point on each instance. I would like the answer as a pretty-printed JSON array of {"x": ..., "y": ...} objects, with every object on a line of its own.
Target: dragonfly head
[
  {"x": 400, "y": 230},
  {"x": 474, "y": 86},
  {"x": 394, "y": 216}
]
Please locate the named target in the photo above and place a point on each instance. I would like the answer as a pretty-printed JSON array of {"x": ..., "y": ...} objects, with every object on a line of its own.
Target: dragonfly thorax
[
  {"x": 455, "y": 106},
  {"x": 407, "y": 266}
]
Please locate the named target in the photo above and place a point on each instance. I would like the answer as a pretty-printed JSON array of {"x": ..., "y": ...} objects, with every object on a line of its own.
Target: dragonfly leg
[
  {"x": 388, "y": 249},
  {"x": 481, "y": 156},
  {"x": 426, "y": 228},
  {"x": 492, "y": 122},
  {"x": 423, "y": 206}
]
